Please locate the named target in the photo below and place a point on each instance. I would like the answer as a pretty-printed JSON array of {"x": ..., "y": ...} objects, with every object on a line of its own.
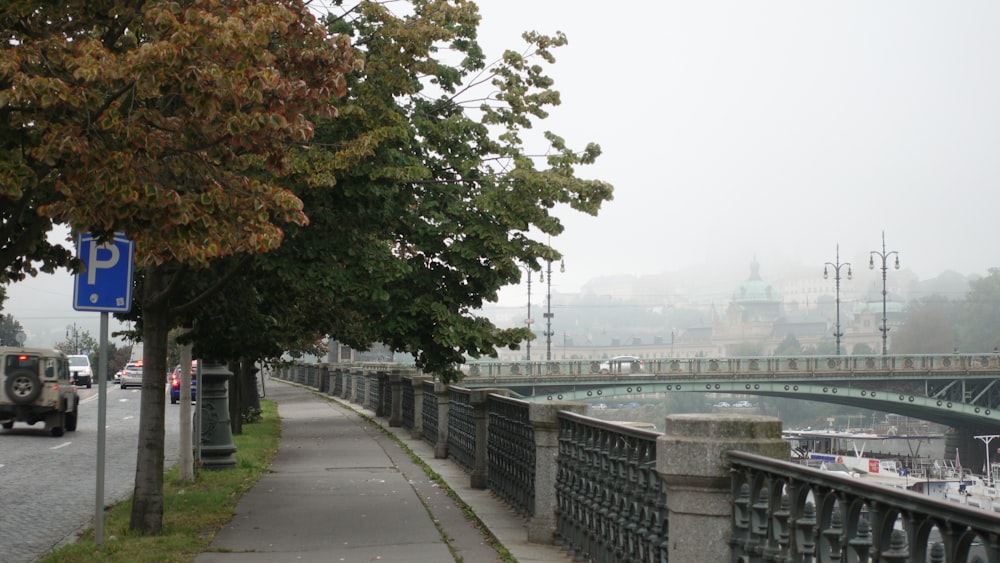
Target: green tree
[
  {"x": 862, "y": 349},
  {"x": 790, "y": 346},
  {"x": 413, "y": 225},
  {"x": 980, "y": 325},
  {"x": 929, "y": 328},
  {"x": 9, "y": 327},
  {"x": 77, "y": 342}
]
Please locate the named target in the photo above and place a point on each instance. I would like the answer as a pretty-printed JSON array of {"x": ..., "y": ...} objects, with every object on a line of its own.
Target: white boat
[{"x": 939, "y": 478}]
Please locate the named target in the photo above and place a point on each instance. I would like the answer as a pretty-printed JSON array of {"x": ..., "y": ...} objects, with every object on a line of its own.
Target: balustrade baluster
[
  {"x": 861, "y": 543},
  {"x": 780, "y": 534},
  {"x": 898, "y": 551},
  {"x": 937, "y": 552},
  {"x": 805, "y": 528},
  {"x": 834, "y": 536}
]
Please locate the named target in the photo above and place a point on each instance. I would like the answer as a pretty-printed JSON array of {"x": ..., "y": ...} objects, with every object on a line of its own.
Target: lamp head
[
  {"x": 871, "y": 262},
  {"x": 825, "y": 275},
  {"x": 897, "y": 262}
]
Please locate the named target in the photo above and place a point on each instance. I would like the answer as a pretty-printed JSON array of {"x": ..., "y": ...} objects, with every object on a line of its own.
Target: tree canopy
[{"x": 421, "y": 196}]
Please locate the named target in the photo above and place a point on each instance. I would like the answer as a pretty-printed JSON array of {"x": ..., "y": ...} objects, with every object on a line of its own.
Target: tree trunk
[
  {"x": 185, "y": 463},
  {"x": 249, "y": 400},
  {"x": 235, "y": 384},
  {"x": 147, "y": 505}
]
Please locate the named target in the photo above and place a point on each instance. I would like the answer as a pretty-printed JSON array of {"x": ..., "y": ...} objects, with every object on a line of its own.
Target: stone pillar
[
  {"x": 479, "y": 399},
  {"x": 396, "y": 395},
  {"x": 358, "y": 389},
  {"x": 441, "y": 390},
  {"x": 418, "y": 407},
  {"x": 324, "y": 378},
  {"x": 691, "y": 461},
  {"x": 381, "y": 382},
  {"x": 545, "y": 422}
]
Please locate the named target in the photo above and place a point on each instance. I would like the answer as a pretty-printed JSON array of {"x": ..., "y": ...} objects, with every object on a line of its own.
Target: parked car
[
  {"x": 175, "y": 383},
  {"x": 623, "y": 364},
  {"x": 131, "y": 375},
  {"x": 743, "y": 405},
  {"x": 80, "y": 373},
  {"x": 722, "y": 405}
]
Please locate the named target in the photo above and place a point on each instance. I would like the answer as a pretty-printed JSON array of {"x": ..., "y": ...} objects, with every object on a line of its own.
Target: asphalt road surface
[{"x": 48, "y": 485}]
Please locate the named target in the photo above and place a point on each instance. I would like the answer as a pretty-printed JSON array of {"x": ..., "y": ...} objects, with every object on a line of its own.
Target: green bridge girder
[{"x": 951, "y": 389}]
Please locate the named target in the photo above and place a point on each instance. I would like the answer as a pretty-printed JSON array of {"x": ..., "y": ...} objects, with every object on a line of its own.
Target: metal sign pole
[
  {"x": 105, "y": 285},
  {"x": 102, "y": 412}
]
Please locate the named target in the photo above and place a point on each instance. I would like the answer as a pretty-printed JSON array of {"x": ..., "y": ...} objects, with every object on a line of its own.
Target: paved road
[{"x": 48, "y": 485}]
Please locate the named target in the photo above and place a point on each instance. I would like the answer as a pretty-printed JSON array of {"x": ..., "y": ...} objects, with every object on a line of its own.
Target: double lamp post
[
  {"x": 884, "y": 256},
  {"x": 547, "y": 278}
]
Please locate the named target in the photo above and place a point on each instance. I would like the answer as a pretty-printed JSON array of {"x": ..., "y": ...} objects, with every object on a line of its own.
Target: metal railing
[
  {"x": 511, "y": 453},
  {"x": 787, "y": 512}
]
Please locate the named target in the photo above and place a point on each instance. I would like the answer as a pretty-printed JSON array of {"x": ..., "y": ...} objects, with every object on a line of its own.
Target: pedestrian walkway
[{"x": 340, "y": 489}]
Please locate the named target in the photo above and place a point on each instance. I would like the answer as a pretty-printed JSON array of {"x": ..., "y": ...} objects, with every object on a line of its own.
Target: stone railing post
[
  {"x": 442, "y": 391},
  {"x": 479, "y": 399},
  {"x": 396, "y": 398},
  {"x": 691, "y": 461},
  {"x": 324, "y": 378},
  {"x": 418, "y": 407},
  {"x": 381, "y": 386},
  {"x": 544, "y": 418}
]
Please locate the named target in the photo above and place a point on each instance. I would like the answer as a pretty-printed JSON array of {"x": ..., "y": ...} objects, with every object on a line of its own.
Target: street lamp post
[
  {"x": 528, "y": 320},
  {"x": 884, "y": 256},
  {"x": 548, "y": 311},
  {"x": 836, "y": 277},
  {"x": 73, "y": 337}
]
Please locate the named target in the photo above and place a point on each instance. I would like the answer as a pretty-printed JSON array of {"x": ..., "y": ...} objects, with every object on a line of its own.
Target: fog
[
  {"x": 775, "y": 130},
  {"x": 735, "y": 131}
]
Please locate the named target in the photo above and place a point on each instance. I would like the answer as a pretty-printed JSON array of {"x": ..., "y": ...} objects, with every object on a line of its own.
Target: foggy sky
[
  {"x": 743, "y": 129},
  {"x": 774, "y": 129}
]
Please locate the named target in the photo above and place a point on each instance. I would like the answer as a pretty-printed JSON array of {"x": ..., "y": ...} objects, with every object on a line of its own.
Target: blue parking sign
[{"x": 106, "y": 282}]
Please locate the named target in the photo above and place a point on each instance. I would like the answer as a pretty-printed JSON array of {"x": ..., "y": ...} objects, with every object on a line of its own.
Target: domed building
[{"x": 755, "y": 301}]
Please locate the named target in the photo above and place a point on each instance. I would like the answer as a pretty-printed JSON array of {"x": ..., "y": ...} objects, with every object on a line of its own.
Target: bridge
[{"x": 958, "y": 390}]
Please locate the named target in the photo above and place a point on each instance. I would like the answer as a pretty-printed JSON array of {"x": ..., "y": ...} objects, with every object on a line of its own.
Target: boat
[{"x": 845, "y": 453}]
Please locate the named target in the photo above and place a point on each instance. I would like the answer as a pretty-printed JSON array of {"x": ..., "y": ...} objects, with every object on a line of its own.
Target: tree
[
  {"x": 423, "y": 196},
  {"x": 78, "y": 342},
  {"x": 790, "y": 346},
  {"x": 9, "y": 327},
  {"x": 929, "y": 328},
  {"x": 412, "y": 224},
  {"x": 980, "y": 330},
  {"x": 154, "y": 119},
  {"x": 862, "y": 349}
]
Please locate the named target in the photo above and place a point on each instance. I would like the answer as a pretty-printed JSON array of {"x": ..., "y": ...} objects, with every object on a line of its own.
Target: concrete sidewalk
[{"x": 341, "y": 490}]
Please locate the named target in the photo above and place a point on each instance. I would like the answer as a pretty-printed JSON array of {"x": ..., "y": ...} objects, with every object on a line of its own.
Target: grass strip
[{"x": 193, "y": 512}]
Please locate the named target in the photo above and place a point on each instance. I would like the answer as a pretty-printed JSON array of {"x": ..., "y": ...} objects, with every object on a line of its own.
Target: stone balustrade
[{"x": 709, "y": 488}]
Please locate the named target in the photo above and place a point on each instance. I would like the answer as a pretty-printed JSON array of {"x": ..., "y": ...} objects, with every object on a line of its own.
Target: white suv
[
  {"x": 79, "y": 370},
  {"x": 35, "y": 387}
]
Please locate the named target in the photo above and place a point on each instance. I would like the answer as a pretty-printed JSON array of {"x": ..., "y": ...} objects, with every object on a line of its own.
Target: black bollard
[{"x": 217, "y": 446}]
